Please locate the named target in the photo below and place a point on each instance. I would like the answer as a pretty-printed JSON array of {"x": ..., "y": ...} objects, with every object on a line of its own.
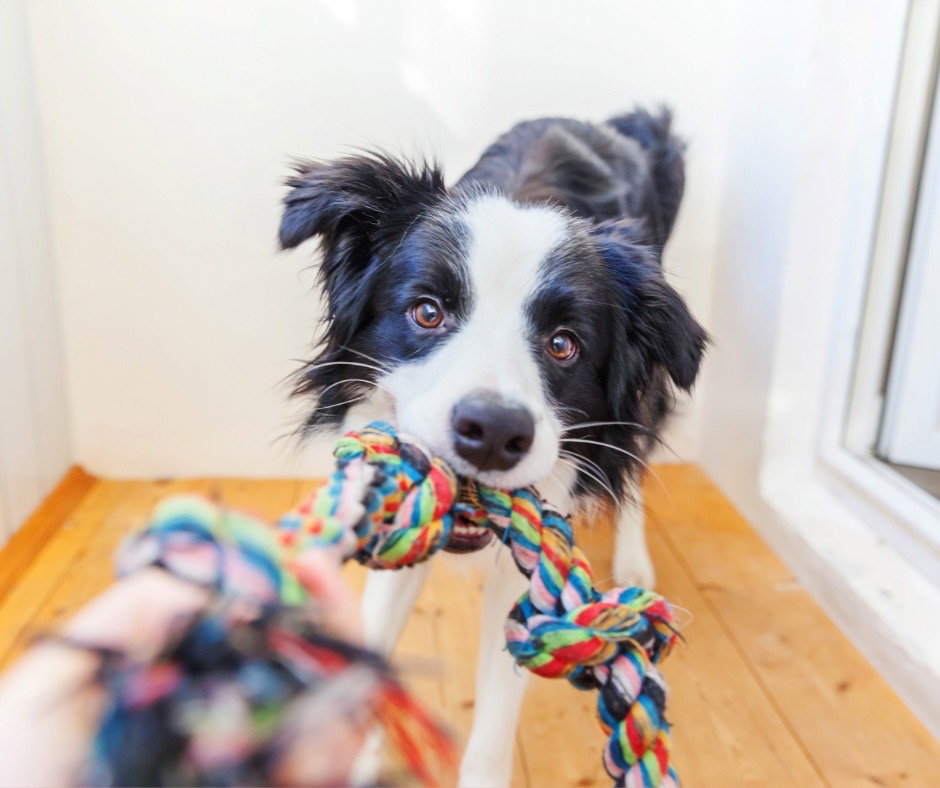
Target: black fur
[
  {"x": 390, "y": 233},
  {"x": 631, "y": 166},
  {"x": 360, "y": 207}
]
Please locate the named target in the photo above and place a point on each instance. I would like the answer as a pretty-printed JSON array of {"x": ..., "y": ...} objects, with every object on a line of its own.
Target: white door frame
[
  {"x": 900, "y": 511},
  {"x": 865, "y": 536},
  {"x": 910, "y": 432},
  {"x": 834, "y": 515}
]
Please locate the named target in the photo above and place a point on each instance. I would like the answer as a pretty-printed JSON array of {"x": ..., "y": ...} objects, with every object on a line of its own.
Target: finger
[
  {"x": 320, "y": 574},
  {"x": 139, "y": 613}
]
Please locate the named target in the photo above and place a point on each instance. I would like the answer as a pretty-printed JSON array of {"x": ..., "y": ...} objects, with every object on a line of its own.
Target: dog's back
[{"x": 629, "y": 167}]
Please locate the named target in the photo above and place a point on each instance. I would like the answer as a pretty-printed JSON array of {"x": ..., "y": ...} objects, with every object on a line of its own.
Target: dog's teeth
[{"x": 469, "y": 530}]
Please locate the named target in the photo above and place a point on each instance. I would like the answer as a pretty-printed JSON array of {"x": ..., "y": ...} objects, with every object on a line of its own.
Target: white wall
[
  {"x": 800, "y": 191},
  {"x": 34, "y": 431},
  {"x": 167, "y": 127}
]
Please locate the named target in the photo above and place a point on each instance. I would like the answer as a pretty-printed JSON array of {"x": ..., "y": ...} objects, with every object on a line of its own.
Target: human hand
[{"x": 50, "y": 703}]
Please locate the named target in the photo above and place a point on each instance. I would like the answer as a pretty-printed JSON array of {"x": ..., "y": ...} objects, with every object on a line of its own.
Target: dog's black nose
[{"x": 491, "y": 433}]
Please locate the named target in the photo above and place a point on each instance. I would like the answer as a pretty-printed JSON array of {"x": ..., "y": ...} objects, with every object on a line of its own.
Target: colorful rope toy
[
  {"x": 389, "y": 504},
  {"x": 254, "y": 689}
]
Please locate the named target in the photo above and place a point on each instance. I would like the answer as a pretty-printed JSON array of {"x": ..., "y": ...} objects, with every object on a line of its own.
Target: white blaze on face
[{"x": 491, "y": 350}]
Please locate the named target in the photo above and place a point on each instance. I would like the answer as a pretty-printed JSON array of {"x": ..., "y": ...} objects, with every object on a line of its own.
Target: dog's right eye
[
  {"x": 427, "y": 313},
  {"x": 563, "y": 347}
]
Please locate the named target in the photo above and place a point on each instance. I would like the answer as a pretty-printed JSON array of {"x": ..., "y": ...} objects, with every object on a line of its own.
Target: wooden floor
[{"x": 765, "y": 692}]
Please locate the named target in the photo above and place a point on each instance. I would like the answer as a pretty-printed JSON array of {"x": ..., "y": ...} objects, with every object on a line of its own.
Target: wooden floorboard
[
  {"x": 765, "y": 691},
  {"x": 723, "y": 722},
  {"x": 50, "y": 569},
  {"x": 23, "y": 547},
  {"x": 846, "y": 718}
]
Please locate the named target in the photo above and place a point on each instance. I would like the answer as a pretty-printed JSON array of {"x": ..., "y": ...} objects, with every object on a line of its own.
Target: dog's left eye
[
  {"x": 427, "y": 313},
  {"x": 562, "y": 346}
]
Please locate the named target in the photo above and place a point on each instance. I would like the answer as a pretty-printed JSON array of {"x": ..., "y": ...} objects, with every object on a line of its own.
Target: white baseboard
[{"x": 886, "y": 606}]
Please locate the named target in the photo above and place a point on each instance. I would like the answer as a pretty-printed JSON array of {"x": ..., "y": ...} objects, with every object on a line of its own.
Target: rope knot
[
  {"x": 398, "y": 498},
  {"x": 563, "y": 627}
]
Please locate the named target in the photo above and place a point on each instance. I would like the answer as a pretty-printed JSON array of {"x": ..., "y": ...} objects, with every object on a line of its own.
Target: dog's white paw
[
  {"x": 474, "y": 777},
  {"x": 632, "y": 565},
  {"x": 634, "y": 568}
]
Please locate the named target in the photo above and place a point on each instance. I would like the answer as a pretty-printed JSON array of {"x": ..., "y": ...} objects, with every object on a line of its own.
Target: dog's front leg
[
  {"x": 387, "y": 602},
  {"x": 631, "y": 562},
  {"x": 500, "y": 685}
]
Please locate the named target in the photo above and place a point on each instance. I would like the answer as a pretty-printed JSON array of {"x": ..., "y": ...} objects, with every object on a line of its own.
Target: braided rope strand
[{"x": 563, "y": 627}]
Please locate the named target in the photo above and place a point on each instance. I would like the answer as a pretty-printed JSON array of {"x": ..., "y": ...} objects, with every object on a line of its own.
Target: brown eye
[
  {"x": 562, "y": 346},
  {"x": 427, "y": 313}
]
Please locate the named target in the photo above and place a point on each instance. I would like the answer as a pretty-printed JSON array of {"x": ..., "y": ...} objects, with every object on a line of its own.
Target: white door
[{"x": 910, "y": 432}]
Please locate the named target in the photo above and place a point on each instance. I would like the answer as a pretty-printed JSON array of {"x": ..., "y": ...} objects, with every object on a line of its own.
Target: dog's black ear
[
  {"x": 356, "y": 206},
  {"x": 368, "y": 195},
  {"x": 660, "y": 330}
]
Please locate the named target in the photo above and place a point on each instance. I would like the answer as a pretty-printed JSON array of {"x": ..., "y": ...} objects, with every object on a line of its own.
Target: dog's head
[{"x": 511, "y": 339}]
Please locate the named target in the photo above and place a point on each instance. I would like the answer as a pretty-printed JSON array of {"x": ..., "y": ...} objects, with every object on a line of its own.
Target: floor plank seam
[{"x": 742, "y": 652}]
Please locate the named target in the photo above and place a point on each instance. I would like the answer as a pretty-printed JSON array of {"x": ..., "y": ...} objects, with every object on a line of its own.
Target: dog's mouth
[{"x": 466, "y": 537}]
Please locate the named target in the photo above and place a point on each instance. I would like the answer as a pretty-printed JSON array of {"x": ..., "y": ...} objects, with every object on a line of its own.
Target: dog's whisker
[
  {"x": 589, "y": 461},
  {"x": 586, "y": 424},
  {"x": 622, "y": 451},
  {"x": 590, "y": 475},
  {"x": 355, "y": 380},
  {"x": 322, "y": 364},
  {"x": 581, "y": 469},
  {"x": 341, "y": 404},
  {"x": 562, "y": 408},
  {"x": 600, "y": 477},
  {"x": 382, "y": 364}
]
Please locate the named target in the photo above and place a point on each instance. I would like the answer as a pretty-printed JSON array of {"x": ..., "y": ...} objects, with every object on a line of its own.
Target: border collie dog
[{"x": 520, "y": 326}]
